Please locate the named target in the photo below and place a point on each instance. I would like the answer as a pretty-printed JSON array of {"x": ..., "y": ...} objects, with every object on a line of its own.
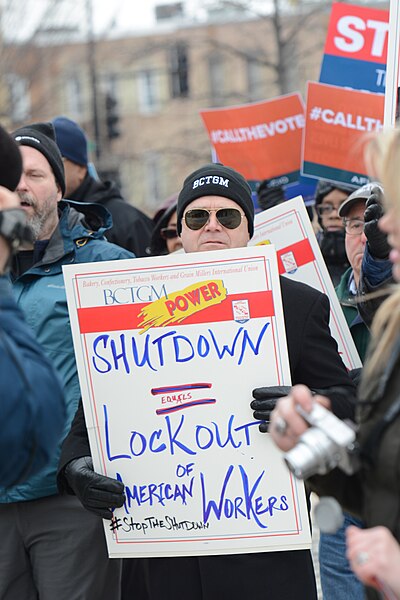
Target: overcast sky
[{"x": 20, "y": 18}]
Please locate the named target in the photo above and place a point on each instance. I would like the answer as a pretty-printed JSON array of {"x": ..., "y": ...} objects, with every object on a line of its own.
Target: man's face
[
  {"x": 328, "y": 210},
  {"x": 213, "y": 235},
  {"x": 355, "y": 244},
  {"x": 39, "y": 193},
  {"x": 74, "y": 175}
]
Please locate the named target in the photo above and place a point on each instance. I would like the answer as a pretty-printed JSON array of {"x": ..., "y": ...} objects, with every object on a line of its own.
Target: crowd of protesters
[{"x": 53, "y": 501}]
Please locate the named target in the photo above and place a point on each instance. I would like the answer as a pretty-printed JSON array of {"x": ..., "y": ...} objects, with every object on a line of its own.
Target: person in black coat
[
  {"x": 314, "y": 360},
  {"x": 165, "y": 238},
  {"x": 328, "y": 198},
  {"x": 131, "y": 227}
]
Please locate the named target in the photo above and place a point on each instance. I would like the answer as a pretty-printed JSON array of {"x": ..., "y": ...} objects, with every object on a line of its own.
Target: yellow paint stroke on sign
[{"x": 181, "y": 304}]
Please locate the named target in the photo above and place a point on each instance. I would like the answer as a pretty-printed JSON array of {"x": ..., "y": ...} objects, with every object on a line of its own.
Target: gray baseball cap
[{"x": 363, "y": 193}]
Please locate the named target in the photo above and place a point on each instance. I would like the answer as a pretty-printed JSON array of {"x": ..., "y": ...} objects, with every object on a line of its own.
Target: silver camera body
[{"x": 327, "y": 444}]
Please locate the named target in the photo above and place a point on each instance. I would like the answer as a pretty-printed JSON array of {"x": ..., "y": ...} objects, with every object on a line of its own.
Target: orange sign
[
  {"x": 260, "y": 140},
  {"x": 338, "y": 123}
]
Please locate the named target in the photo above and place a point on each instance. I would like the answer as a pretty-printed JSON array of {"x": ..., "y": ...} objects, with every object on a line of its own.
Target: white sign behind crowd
[{"x": 288, "y": 227}]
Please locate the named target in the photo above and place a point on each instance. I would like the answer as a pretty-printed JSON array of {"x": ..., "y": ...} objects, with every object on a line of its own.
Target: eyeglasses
[
  {"x": 353, "y": 226},
  {"x": 326, "y": 209},
  {"x": 196, "y": 218},
  {"x": 168, "y": 233}
]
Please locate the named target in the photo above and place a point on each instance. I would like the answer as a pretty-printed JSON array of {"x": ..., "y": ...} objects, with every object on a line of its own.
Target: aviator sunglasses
[{"x": 196, "y": 218}]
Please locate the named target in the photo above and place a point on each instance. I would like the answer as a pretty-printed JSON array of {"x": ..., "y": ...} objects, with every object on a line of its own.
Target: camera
[
  {"x": 14, "y": 228},
  {"x": 327, "y": 444}
]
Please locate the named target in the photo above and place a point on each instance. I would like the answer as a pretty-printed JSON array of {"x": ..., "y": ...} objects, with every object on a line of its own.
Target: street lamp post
[{"x": 91, "y": 46}]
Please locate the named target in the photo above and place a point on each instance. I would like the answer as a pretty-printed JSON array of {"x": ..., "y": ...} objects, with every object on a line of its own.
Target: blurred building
[{"x": 151, "y": 86}]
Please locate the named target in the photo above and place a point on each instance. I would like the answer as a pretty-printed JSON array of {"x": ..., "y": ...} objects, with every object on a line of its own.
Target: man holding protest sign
[{"x": 215, "y": 212}]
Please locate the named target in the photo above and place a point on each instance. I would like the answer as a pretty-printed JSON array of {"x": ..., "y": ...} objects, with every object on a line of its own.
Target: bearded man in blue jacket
[{"x": 52, "y": 548}]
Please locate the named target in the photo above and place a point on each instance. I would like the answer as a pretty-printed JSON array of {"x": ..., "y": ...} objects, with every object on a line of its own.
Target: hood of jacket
[
  {"x": 85, "y": 219},
  {"x": 77, "y": 223},
  {"x": 97, "y": 192}
]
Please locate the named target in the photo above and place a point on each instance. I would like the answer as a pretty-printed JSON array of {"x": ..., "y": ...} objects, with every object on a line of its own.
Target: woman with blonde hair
[{"x": 373, "y": 492}]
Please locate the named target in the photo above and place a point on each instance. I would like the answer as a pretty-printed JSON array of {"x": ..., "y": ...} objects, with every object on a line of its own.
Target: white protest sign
[
  {"x": 168, "y": 351},
  {"x": 288, "y": 227}
]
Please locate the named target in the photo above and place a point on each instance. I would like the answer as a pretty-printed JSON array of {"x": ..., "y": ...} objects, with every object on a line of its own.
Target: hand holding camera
[
  {"x": 313, "y": 438},
  {"x": 327, "y": 444}
]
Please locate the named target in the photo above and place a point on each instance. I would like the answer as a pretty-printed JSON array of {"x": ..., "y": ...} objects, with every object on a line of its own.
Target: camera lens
[{"x": 312, "y": 455}]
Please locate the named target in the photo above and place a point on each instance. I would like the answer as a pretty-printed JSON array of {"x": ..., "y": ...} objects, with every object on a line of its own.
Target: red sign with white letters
[{"x": 358, "y": 32}]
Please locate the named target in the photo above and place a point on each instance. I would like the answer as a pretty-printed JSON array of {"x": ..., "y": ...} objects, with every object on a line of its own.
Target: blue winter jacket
[
  {"x": 40, "y": 293},
  {"x": 31, "y": 408}
]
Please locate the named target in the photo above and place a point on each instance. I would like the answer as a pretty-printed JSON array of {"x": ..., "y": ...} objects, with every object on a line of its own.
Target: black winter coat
[
  {"x": 373, "y": 493},
  {"x": 131, "y": 227}
]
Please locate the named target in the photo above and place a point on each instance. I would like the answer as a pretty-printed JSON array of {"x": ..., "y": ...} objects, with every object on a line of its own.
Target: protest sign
[
  {"x": 338, "y": 122},
  {"x": 260, "y": 140},
  {"x": 288, "y": 227},
  {"x": 168, "y": 351},
  {"x": 356, "y": 48}
]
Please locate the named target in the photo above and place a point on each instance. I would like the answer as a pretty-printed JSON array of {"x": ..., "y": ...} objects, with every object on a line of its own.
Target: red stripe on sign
[
  {"x": 295, "y": 255},
  {"x": 124, "y": 317}
]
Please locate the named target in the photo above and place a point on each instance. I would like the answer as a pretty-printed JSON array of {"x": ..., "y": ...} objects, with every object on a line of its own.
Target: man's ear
[
  {"x": 82, "y": 172},
  {"x": 59, "y": 192}
]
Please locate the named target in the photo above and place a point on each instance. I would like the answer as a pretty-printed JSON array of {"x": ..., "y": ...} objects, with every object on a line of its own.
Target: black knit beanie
[
  {"x": 216, "y": 180},
  {"x": 10, "y": 161},
  {"x": 326, "y": 187},
  {"x": 41, "y": 136}
]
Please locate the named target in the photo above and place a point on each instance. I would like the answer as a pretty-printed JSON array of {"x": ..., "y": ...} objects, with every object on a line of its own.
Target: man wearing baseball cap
[
  {"x": 59, "y": 552},
  {"x": 376, "y": 268},
  {"x": 215, "y": 212}
]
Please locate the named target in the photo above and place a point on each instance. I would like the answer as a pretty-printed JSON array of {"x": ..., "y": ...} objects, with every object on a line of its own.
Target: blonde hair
[{"x": 383, "y": 162}]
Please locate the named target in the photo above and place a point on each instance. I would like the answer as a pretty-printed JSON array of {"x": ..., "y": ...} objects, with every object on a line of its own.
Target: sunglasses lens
[
  {"x": 168, "y": 233},
  {"x": 229, "y": 217},
  {"x": 196, "y": 218}
]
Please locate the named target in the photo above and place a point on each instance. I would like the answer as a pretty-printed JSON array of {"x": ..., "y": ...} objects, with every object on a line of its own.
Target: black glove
[
  {"x": 377, "y": 240},
  {"x": 264, "y": 402},
  {"x": 269, "y": 195},
  {"x": 355, "y": 375},
  {"x": 97, "y": 493},
  {"x": 265, "y": 399}
]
